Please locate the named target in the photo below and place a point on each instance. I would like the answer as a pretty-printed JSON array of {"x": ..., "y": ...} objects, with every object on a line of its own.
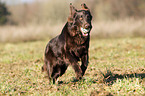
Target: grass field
[{"x": 116, "y": 67}]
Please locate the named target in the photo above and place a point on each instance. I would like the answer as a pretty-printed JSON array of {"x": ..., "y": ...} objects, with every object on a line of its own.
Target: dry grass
[
  {"x": 101, "y": 29},
  {"x": 29, "y": 32},
  {"x": 119, "y": 28}
]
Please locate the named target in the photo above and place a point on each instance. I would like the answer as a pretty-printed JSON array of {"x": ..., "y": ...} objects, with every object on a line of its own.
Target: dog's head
[{"x": 80, "y": 20}]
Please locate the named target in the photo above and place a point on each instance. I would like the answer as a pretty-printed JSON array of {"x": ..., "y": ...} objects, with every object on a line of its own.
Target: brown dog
[{"x": 70, "y": 46}]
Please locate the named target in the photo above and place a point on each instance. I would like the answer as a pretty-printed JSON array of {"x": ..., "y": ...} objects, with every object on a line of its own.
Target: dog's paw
[
  {"x": 75, "y": 80},
  {"x": 60, "y": 82},
  {"x": 79, "y": 77}
]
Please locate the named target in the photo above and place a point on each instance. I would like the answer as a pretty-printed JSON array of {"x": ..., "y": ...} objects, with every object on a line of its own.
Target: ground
[{"x": 116, "y": 67}]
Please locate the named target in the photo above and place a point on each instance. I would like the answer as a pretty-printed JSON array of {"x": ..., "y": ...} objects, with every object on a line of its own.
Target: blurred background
[{"x": 28, "y": 20}]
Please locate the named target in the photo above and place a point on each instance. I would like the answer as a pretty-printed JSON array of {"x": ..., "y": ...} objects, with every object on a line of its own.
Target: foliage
[
  {"x": 120, "y": 9},
  {"x": 3, "y": 13},
  {"x": 56, "y": 11}
]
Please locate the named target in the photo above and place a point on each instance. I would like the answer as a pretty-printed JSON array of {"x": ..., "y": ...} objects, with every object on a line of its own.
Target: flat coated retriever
[{"x": 70, "y": 46}]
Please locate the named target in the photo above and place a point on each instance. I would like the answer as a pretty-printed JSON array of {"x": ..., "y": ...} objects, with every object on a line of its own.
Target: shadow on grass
[
  {"x": 109, "y": 78},
  {"x": 74, "y": 80}
]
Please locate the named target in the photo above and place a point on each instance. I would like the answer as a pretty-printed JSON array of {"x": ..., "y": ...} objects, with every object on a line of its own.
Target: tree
[{"x": 3, "y": 13}]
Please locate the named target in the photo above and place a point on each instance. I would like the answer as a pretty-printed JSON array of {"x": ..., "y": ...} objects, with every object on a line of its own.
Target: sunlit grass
[
  {"x": 127, "y": 87},
  {"x": 116, "y": 67}
]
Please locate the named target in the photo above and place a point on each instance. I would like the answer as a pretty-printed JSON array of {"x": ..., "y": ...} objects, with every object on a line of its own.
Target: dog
[{"x": 70, "y": 46}]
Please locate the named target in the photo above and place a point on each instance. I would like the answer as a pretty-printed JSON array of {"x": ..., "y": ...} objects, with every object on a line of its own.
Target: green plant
[{"x": 3, "y": 13}]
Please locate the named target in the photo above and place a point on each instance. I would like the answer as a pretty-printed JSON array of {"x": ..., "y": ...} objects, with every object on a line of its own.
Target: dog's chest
[{"x": 78, "y": 51}]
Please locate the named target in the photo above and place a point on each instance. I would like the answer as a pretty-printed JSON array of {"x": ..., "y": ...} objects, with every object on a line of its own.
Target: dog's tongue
[
  {"x": 84, "y": 31},
  {"x": 85, "y": 34}
]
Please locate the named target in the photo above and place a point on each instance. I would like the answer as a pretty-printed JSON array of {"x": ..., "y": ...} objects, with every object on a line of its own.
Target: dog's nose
[{"x": 87, "y": 26}]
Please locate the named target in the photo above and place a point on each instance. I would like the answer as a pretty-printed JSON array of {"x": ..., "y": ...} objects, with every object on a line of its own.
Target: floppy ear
[
  {"x": 72, "y": 12},
  {"x": 84, "y": 6}
]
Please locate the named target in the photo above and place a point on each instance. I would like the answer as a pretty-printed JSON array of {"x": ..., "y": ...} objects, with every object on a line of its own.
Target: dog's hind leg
[
  {"x": 55, "y": 77},
  {"x": 56, "y": 73},
  {"x": 49, "y": 70}
]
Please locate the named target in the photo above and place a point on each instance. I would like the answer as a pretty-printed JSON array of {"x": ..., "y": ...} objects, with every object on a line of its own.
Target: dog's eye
[{"x": 88, "y": 17}]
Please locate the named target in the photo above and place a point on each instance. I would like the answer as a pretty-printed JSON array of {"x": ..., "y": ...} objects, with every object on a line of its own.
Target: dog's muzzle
[{"x": 84, "y": 31}]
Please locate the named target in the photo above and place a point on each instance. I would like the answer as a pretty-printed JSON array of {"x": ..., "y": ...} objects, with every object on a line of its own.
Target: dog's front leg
[
  {"x": 78, "y": 70},
  {"x": 76, "y": 67},
  {"x": 71, "y": 59},
  {"x": 84, "y": 65}
]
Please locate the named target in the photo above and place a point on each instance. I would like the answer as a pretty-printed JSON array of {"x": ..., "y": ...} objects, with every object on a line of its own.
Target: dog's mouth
[{"x": 84, "y": 31}]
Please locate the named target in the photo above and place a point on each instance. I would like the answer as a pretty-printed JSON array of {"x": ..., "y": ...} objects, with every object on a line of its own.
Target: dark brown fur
[{"x": 70, "y": 46}]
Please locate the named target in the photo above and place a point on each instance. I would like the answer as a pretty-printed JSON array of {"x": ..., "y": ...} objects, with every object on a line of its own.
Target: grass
[
  {"x": 117, "y": 67},
  {"x": 119, "y": 28},
  {"x": 101, "y": 29},
  {"x": 30, "y": 32}
]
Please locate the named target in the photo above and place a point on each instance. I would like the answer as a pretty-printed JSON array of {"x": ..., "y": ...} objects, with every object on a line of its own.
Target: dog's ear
[
  {"x": 72, "y": 9},
  {"x": 72, "y": 12},
  {"x": 84, "y": 6}
]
